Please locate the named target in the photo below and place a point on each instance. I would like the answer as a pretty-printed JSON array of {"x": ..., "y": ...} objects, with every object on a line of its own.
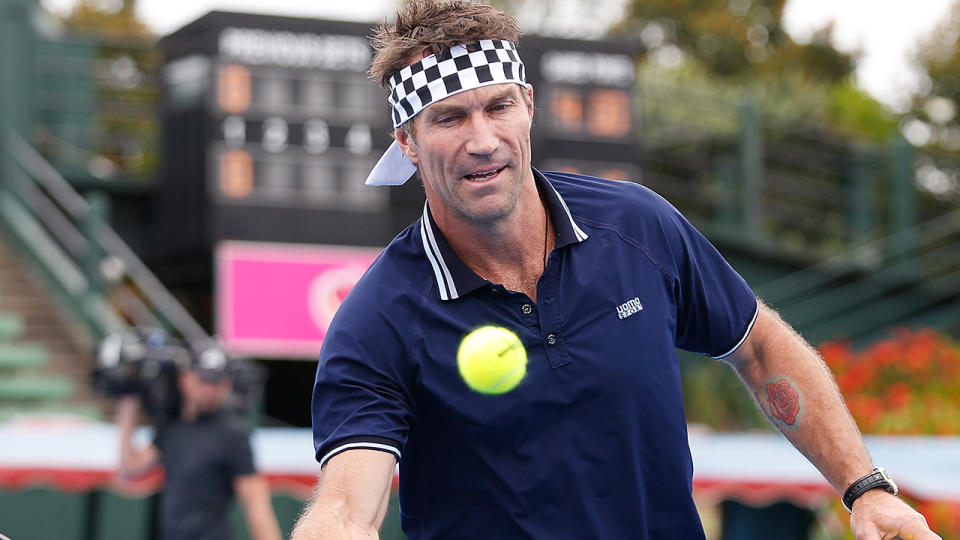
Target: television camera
[{"x": 145, "y": 362}]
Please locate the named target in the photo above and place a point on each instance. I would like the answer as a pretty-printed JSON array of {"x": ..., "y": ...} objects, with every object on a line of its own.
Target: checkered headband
[{"x": 463, "y": 67}]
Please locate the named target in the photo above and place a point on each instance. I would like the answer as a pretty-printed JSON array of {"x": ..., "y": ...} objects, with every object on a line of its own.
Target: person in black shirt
[{"x": 206, "y": 457}]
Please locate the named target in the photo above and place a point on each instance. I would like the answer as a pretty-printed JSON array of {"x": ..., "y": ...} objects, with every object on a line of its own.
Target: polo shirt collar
[{"x": 454, "y": 277}]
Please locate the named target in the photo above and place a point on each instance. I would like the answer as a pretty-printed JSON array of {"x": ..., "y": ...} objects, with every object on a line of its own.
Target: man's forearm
[
  {"x": 797, "y": 393},
  {"x": 133, "y": 460},
  {"x": 254, "y": 494},
  {"x": 351, "y": 498}
]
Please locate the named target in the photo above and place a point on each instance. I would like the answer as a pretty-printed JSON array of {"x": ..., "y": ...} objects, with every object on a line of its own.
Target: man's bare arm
[
  {"x": 134, "y": 460},
  {"x": 351, "y": 497},
  {"x": 254, "y": 495},
  {"x": 796, "y": 391}
]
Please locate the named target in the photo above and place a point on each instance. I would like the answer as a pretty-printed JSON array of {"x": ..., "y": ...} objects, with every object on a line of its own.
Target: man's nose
[{"x": 481, "y": 137}]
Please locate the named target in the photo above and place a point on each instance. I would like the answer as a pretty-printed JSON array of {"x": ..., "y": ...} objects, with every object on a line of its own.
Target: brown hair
[{"x": 435, "y": 26}]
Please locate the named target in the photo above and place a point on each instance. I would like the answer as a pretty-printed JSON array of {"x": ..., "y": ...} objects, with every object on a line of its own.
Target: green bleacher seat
[
  {"x": 11, "y": 326},
  {"x": 71, "y": 411},
  {"x": 23, "y": 355},
  {"x": 36, "y": 388}
]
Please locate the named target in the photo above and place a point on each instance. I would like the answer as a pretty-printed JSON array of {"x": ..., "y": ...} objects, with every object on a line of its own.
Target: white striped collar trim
[
  {"x": 454, "y": 278},
  {"x": 441, "y": 272},
  {"x": 553, "y": 197}
]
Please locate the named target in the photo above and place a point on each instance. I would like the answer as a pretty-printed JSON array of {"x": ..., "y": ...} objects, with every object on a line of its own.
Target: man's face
[
  {"x": 203, "y": 396},
  {"x": 473, "y": 152}
]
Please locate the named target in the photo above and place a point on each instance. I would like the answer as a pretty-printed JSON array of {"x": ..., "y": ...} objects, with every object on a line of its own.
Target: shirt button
[
  {"x": 552, "y": 339},
  {"x": 526, "y": 309}
]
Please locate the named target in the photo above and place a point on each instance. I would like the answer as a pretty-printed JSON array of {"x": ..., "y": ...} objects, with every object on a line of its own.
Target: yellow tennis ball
[{"x": 492, "y": 360}]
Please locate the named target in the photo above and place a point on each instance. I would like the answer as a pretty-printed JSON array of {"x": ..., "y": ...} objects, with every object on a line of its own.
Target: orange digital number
[
  {"x": 234, "y": 89},
  {"x": 236, "y": 174},
  {"x": 608, "y": 113}
]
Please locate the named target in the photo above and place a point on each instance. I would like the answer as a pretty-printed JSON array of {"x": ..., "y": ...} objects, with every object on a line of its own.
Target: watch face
[
  {"x": 878, "y": 478},
  {"x": 893, "y": 486}
]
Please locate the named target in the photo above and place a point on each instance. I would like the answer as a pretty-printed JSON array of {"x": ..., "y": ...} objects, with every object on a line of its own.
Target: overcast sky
[{"x": 885, "y": 30}]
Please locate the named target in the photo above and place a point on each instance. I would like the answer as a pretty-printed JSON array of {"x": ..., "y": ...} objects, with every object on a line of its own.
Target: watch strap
[{"x": 877, "y": 479}]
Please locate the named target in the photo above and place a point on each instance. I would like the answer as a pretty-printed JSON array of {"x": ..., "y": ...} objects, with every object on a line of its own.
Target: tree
[
  {"x": 735, "y": 37},
  {"x": 729, "y": 37},
  {"x": 115, "y": 20},
  {"x": 933, "y": 119},
  {"x": 729, "y": 47},
  {"x": 120, "y": 64}
]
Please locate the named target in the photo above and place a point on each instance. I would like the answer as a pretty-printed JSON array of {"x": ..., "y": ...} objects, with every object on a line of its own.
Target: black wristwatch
[{"x": 877, "y": 479}]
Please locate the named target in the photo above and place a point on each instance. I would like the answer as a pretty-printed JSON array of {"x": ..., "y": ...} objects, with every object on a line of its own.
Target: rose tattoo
[{"x": 783, "y": 401}]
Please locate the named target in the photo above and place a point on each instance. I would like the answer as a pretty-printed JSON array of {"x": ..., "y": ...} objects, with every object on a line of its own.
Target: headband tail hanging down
[{"x": 393, "y": 168}]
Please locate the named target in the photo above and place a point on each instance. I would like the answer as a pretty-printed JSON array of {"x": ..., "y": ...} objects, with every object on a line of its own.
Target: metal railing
[
  {"x": 90, "y": 267},
  {"x": 909, "y": 278},
  {"x": 747, "y": 176}
]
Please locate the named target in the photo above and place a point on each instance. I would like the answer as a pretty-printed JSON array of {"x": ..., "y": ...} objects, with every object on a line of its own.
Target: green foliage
[
  {"x": 734, "y": 38},
  {"x": 91, "y": 18},
  {"x": 714, "y": 396},
  {"x": 123, "y": 76},
  {"x": 722, "y": 50},
  {"x": 668, "y": 94},
  {"x": 933, "y": 113},
  {"x": 856, "y": 112}
]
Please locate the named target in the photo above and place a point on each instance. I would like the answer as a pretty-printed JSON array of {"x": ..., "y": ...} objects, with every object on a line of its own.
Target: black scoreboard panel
[
  {"x": 585, "y": 94},
  {"x": 271, "y": 126}
]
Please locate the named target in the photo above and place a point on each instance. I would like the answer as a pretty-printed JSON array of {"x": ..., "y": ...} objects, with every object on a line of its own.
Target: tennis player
[{"x": 601, "y": 280}]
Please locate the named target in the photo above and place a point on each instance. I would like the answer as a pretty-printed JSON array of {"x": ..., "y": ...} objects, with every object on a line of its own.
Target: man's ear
[
  {"x": 529, "y": 91},
  {"x": 405, "y": 141}
]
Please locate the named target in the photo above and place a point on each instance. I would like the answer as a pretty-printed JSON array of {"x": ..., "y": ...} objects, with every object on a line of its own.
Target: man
[
  {"x": 206, "y": 457},
  {"x": 600, "y": 279}
]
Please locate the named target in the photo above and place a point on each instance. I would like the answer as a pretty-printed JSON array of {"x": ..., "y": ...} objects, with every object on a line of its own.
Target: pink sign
[{"x": 277, "y": 300}]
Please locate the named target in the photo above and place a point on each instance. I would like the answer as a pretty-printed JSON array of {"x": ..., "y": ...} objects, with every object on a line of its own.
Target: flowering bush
[{"x": 906, "y": 385}]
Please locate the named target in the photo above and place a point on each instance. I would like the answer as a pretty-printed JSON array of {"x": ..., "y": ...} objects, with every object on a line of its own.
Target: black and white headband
[{"x": 436, "y": 77}]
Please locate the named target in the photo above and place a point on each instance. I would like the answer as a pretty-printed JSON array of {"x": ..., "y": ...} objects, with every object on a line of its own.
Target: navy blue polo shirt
[{"x": 593, "y": 442}]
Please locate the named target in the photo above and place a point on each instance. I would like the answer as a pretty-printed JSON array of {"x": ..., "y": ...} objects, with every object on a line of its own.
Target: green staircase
[
  {"x": 26, "y": 386},
  {"x": 32, "y": 381},
  {"x": 66, "y": 281}
]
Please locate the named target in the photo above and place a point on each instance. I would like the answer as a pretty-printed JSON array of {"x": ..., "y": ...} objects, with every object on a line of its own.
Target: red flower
[{"x": 899, "y": 394}]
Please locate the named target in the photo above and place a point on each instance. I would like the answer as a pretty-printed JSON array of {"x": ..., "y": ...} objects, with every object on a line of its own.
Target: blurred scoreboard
[
  {"x": 585, "y": 96},
  {"x": 270, "y": 126}
]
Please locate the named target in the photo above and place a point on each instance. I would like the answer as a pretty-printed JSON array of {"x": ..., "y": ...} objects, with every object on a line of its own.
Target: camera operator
[{"x": 206, "y": 455}]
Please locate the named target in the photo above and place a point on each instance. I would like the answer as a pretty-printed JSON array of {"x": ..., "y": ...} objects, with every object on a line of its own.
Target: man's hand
[
  {"x": 878, "y": 515},
  {"x": 133, "y": 460}
]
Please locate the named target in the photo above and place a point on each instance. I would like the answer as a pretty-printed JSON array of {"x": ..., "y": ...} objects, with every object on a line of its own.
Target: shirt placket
[{"x": 551, "y": 322}]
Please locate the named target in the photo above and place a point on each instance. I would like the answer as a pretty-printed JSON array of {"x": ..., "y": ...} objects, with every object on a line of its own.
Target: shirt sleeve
[
  {"x": 716, "y": 308},
  {"x": 360, "y": 398},
  {"x": 240, "y": 461}
]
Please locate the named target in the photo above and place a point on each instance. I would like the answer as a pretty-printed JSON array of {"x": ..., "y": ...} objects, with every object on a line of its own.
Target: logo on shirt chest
[{"x": 629, "y": 307}]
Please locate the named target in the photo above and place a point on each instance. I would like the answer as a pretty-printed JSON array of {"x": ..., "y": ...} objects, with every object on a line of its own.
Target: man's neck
[
  {"x": 511, "y": 251},
  {"x": 192, "y": 414}
]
